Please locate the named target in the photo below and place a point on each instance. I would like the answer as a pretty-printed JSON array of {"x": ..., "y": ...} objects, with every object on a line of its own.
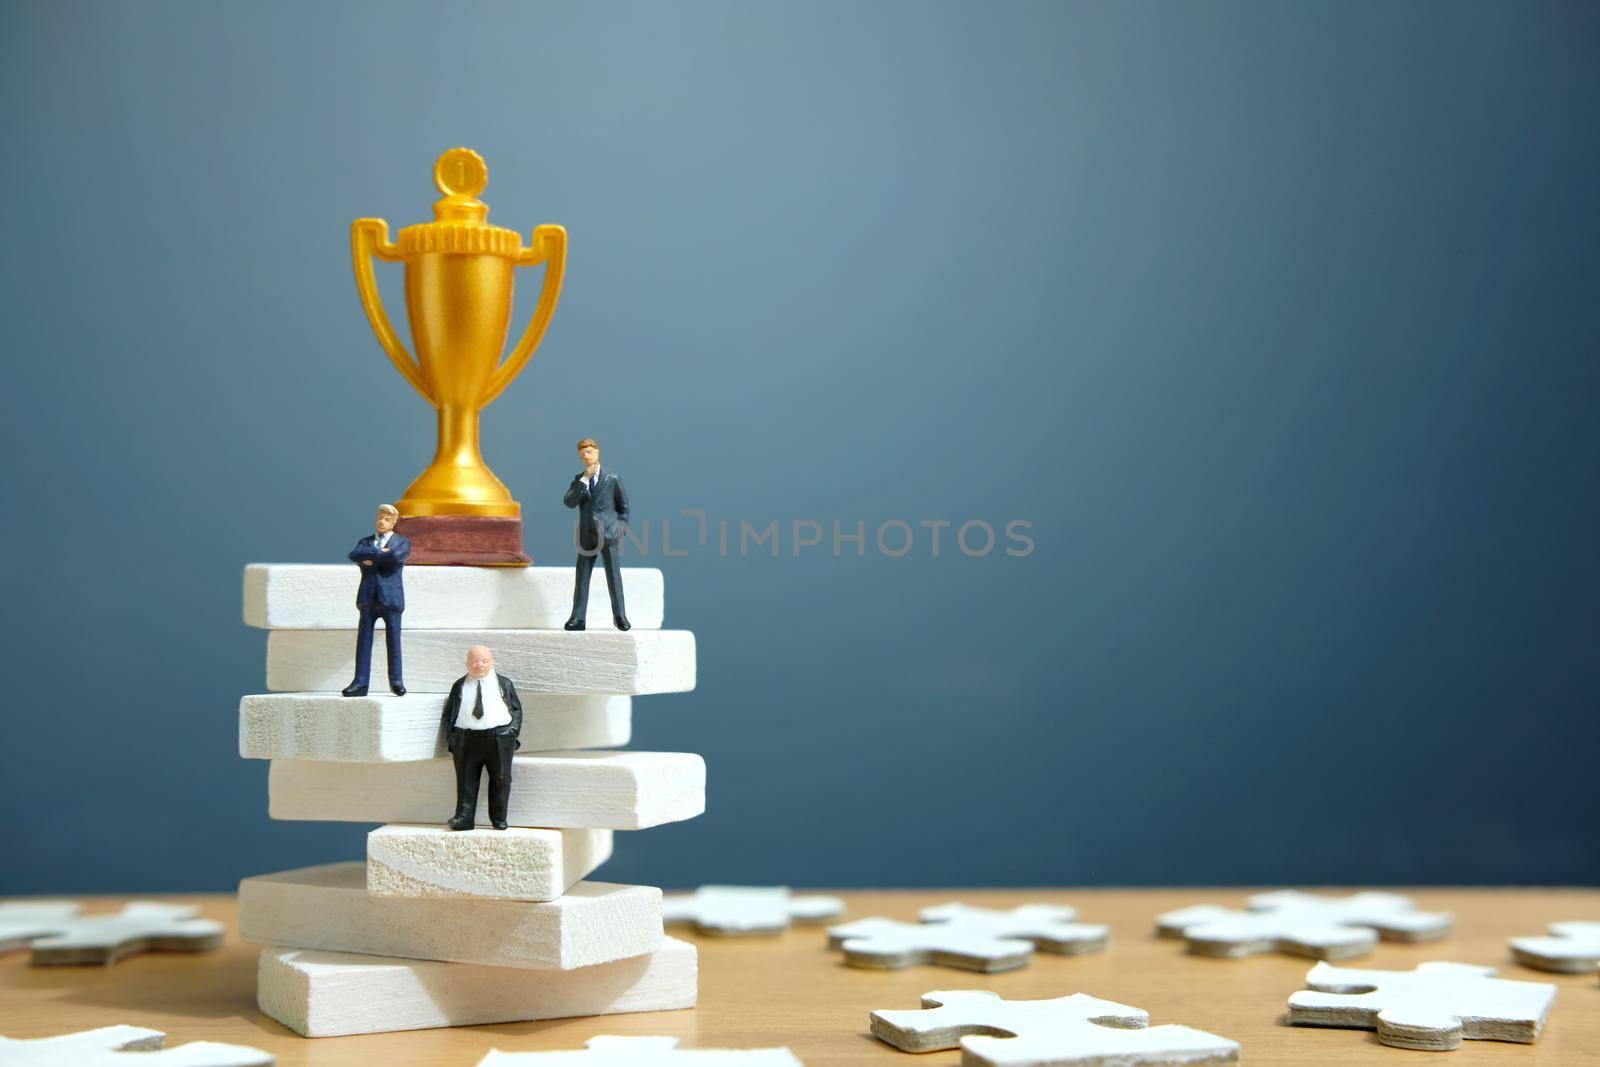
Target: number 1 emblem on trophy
[{"x": 459, "y": 275}]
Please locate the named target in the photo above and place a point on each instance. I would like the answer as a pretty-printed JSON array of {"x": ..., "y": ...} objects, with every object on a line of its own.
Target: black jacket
[
  {"x": 602, "y": 512},
  {"x": 452, "y": 708}
]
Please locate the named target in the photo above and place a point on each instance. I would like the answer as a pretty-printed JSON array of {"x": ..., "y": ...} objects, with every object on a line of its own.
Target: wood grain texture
[
  {"x": 329, "y": 908},
  {"x": 790, "y": 990},
  {"x": 383, "y": 728},
  {"x": 561, "y": 790},
  {"x": 519, "y": 863},
  {"x": 536, "y": 661},
  {"x": 329, "y": 994},
  {"x": 313, "y": 596},
  {"x": 609, "y": 1050}
]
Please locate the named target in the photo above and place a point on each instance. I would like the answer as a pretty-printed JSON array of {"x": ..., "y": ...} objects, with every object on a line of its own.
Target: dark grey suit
[{"x": 602, "y": 521}]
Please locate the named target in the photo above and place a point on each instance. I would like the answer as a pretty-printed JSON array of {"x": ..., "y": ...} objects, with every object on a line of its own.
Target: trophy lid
[{"x": 459, "y": 217}]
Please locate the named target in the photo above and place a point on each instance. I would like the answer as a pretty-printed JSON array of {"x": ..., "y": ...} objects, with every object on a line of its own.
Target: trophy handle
[
  {"x": 548, "y": 246},
  {"x": 369, "y": 238}
]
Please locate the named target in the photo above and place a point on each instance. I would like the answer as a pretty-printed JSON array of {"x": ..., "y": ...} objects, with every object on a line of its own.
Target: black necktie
[{"x": 477, "y": 707}]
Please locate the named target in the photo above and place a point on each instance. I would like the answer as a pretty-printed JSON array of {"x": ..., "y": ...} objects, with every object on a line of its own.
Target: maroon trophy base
[{"x": 464, "y": 540}]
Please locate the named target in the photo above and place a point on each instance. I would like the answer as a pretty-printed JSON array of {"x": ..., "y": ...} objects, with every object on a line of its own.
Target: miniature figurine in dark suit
[
  {"x": 482, "y": 723},
  {"x": 381, "y": 595},
  {"x": 602, "y": 505}
]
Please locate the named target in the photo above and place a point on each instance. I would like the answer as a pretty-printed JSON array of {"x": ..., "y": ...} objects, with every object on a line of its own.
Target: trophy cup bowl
[{"x": 459, "y": 280}]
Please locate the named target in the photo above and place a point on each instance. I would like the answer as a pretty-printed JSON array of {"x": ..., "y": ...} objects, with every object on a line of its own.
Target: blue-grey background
[{"x": 1278, "y": 322}]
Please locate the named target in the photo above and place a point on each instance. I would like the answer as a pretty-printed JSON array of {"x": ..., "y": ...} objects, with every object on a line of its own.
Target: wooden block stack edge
[
  {"x": 445, "y": 928},
  {"x": 332, "y": 994}
]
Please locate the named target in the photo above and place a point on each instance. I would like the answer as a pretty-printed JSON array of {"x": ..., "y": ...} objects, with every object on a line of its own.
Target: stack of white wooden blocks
[{"x": 446, "y": 928}]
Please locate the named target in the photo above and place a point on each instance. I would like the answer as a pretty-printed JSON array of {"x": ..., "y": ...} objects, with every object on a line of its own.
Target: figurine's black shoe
[
  {"x": 500, "y": 825},
  {"x": 353, "y": 690},
  {"x": 459, "y": 822},
  {"x": 575, "y": 624},
  {"x": 622, "y": 622},
  {"x": 397, "y": 689}
]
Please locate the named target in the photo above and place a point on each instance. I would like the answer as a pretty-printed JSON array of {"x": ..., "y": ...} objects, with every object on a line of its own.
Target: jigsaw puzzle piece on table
[
  {"x": 643, "y": 1052},
  {"x": 1077, "y": 1029},
  {"x": 736, "y": 910},
  {"x": 1571, "y": 948},
  {"x": 1049, "y": 926},
  {"x": 1302, "y": 924},
  {"x": 973, "y": 939},
  {"x": 1431, "y": 1008},
  {"x": 60, "y": 934},
  {"x": 888, "y": 944},
  {"x": 106, "y": 1046},
  {"x": 33, "y": 911}
]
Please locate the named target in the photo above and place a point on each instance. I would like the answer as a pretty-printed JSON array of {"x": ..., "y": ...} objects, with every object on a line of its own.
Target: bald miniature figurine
[{"x": 482, "y": 722}]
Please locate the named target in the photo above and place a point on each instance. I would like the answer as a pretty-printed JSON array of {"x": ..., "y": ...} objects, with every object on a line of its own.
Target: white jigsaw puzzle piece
[
  {"x": 1077, "y": 1029},
  {"x": 36, "y": 910},
  {"x": 125, "y": 1046},
  {"x": 1432, "y": 1008},
  {"x": 1048, "y": 926},
  {"x": 22, "y": 922},
  {"x": 62, "y": 936},
  {"x": 1303, "y": 924},
  {"x": 974, "y": 939},
  {"x": 1571, "y": 948},
  {"x": 734, "y": 909},
  {"x": 888, "y": 944},
  {"x": 643, "y": 1052}
]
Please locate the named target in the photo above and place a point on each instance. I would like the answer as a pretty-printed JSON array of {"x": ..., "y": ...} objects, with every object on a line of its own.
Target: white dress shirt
[
  {"x": 589, "y": 482},
  {"x": 380, "y": 541},
  {"x": 495, "y": 712}
]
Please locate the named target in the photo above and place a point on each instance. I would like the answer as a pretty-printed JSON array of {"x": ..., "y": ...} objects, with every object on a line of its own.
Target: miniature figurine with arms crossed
[{"x": 381, "y": 595}]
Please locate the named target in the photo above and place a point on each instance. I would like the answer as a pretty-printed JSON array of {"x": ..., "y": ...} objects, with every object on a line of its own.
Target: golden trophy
[{"x": 459, "y": 278}]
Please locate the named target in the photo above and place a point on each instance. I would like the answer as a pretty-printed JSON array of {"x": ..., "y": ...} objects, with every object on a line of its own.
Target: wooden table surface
[{"x": 793, "y": 991}]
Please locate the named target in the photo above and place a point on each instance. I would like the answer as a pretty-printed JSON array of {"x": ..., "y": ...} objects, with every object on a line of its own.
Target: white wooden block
[
  {"x": 314, "y": 596},
  {"x": 381, "y": 728},
  {"x": 1074, "y": 1030},
  {"x": 331, "y": 994},
  {"x": 562, "y": 790},
  {"x": 608, "y": 1051},
  {"x": 1571, "y": 948},
  {"x": 516, "y": 864},
  {"x": 329, "y": 908},
  {"x": 126, "y": 1046},
  {"x": 536, "y": 661},
  {"x": 1431, "y": 1008}
]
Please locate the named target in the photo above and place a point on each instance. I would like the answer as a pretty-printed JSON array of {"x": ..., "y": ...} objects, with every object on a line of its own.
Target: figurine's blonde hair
[
  {"x": 588, "y": 442},
  {"x": 388, "y": 509}
]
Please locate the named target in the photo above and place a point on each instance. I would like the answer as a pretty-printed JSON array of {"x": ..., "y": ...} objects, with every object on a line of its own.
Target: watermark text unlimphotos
[{"x": 696, "y": 532}]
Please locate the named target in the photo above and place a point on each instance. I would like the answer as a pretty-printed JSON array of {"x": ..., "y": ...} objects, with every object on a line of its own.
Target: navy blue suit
[{"x": 382, "y": 595}]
